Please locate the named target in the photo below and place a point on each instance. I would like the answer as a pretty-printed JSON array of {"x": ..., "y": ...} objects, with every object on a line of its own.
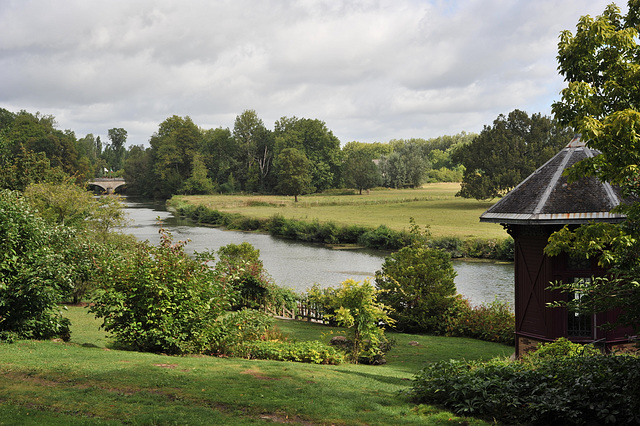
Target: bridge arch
[{"x": 108, "y": 185}]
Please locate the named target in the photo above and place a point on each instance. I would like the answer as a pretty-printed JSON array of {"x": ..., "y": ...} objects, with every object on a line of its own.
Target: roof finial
[{"x": 576, "y": 142}]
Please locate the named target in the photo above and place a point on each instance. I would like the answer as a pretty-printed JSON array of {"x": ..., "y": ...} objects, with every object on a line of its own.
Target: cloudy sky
[{"x": 373, "y": 70}]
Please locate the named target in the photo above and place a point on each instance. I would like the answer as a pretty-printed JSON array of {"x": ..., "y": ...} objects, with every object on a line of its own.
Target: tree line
[{"x": 298, "y": 156}]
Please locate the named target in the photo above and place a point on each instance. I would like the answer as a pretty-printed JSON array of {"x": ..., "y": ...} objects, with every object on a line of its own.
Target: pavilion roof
[{"x": 546, "y": 196}]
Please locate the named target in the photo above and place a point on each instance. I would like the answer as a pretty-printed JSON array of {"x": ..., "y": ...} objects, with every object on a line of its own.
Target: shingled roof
[{"x": 546, "y": 197}]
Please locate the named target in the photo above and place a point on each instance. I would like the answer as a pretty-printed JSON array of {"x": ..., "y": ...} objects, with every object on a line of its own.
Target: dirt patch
[
  {"x": 279, "y": 418},
  {"x": 166, "y": 365},
  {"x": 258, "y": 375}
]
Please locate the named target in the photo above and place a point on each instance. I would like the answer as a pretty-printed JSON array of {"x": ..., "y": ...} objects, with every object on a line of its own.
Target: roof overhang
[{"x": 552, "y": 219}]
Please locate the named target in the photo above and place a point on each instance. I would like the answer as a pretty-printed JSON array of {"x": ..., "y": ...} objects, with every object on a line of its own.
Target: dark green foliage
[
  {"x": 159, "y": 299},
  {"x": 248, "y": 334},
  {"x": 114, "y": 152},
  {"x": 293, "y": 170},
  {"x": 25, "y": 168},
  {"x": 384, "y": 238},
  {"x": 453, "y": 245},
  {"x": 241, "y": 273},
  {"x": 489, "y": 249},
  {"x": 417, "y": 282},
  {"x": 312, "y": 138},
  {"x": 506, "y": 153},
  {"x": 493, "y": 322},
  {"x": 33, "y": 275},
  {"x": 359, "y": 170},
  {"x": 313, "y": 352},
  {"x": 172, "y": 150},
  {"x": 570, "y": 390}
]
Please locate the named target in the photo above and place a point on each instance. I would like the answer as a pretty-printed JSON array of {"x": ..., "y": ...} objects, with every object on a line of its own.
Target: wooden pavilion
[{"x": 540, "y": 205}]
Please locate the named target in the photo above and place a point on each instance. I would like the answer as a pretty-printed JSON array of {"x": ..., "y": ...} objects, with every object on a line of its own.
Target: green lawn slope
[{"x": 85, "y": 381}]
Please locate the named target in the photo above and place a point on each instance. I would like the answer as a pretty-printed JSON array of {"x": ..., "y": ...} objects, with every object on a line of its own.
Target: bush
[
  {"x": 494, "y": 322},
  {"x": 489, "y": 249},
  {"x": 370, "y": 355},
  {"x": 237, "y": 328},
  {"x": 313, "y": 352},
  {"x": 384, "y": 238},
  {"x": 452, "y": 245},
  {"x": 159, "y": 299},
  {"x": 417, "y": 283},
  {"x": 560, "y": 348},
  {"x": 589, "y": 389},
  {"x": 33, "y": 273}
]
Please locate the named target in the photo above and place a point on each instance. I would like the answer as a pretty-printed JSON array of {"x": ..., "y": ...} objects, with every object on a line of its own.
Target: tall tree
[
  {"x": 293, "y": 173},
  {"x": 359, "y": 170},
  {"x": 115, "y": 151},
  {"x": 256, "y": 150},
  {"x": 138, "y": 171},
  {"x": 220, "y": 154},
  {"x": 406, "y": 166},
  {"x": 601, "y": 64},
  {"x": 38, "y": 133},
  {"x": 172, "y": 151},
  {"x": 507, "y": 152},
  {"x": 317, "y": 142}
]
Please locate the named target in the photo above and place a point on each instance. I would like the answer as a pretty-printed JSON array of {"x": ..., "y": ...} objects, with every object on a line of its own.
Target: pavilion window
[{"x": 579, "y": 324}]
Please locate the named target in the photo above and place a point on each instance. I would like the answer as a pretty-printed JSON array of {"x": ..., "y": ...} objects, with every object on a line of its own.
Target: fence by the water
[{"x": 304, "y": 311}]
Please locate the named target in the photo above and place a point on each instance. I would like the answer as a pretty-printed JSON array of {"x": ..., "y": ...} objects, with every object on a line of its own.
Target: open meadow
[
  {"x": 86, "y": 381},
  {"x": 433, "y": 204}
]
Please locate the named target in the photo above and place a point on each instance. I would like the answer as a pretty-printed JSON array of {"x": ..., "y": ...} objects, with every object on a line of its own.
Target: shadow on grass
[{"x": 390, "y": 380}]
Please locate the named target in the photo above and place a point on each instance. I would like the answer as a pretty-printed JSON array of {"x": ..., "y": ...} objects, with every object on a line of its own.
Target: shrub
[
  {"x": 356, "y": 308},
  {"x": 33, "y": 273},
  {"x": 384, "y": 238},
  {"x": 489, "y": 249},
  {"x": 313, "y": 352},
  {"x": 556, "y": 389},
  {"x": 560, "y": 348},
  {"x": 452, "y": 245},
  {"x": 417, "y": 283},
  {"x": 239, "y": 327},
  {"x": 350, "y": 234},
  {"x": 242, "y": 274},
  {"x": 370, "y": 355},
  {"x": 493, "y": 322},
  {"x": 159, "y": 299}
]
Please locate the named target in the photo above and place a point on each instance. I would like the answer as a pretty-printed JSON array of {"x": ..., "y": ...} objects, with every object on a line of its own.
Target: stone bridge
[{"x": 108, "y": 185}]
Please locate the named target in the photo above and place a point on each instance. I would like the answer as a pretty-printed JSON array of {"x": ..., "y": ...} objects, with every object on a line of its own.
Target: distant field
[{"x": 433, "y": 204}]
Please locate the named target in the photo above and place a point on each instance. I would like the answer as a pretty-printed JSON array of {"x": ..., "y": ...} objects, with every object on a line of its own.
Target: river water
[{"x": 299, "y": 265}]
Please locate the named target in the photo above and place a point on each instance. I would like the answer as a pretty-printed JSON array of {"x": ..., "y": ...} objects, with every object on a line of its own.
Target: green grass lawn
[
  {"x": 85, "y": 381},
  {"x": 434, "y": 204}
]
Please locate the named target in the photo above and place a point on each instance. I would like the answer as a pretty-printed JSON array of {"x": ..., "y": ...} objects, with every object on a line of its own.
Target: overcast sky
[{"x": 373, "y": 70}]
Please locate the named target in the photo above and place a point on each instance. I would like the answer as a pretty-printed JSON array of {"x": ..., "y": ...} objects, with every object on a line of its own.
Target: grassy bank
[
  {"x": 433, "y": 204},
  {"x": 86, "y": 382}
]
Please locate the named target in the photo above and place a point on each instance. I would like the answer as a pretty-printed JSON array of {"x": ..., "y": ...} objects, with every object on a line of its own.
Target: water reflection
[{"x": 298, "y": 265}]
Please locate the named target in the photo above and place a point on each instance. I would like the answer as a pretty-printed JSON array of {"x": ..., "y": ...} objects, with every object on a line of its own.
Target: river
[{"x": 299, "y": 265}]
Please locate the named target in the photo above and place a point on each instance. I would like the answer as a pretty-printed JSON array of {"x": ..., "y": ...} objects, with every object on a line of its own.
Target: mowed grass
[
  {"x": 434, "y": 204},
  {"x": 85, "y": 381}
]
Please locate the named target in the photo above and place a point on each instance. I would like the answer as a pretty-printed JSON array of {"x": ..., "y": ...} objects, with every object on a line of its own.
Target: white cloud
[{"x": 373, "y": 70}]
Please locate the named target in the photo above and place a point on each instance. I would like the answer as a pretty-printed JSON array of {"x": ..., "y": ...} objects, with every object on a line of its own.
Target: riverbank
[{"x": 379, "y": 220}]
